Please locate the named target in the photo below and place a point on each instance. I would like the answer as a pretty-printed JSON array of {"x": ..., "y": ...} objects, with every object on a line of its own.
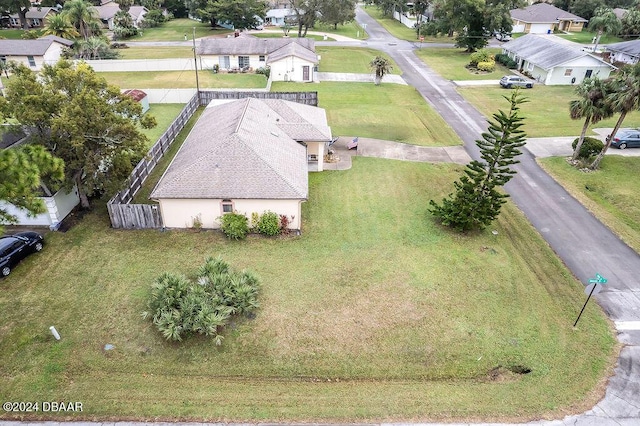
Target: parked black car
[{"x": 14, "y": 248}]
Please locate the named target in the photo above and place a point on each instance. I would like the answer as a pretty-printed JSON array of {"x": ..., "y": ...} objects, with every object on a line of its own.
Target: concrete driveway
[{"x": 560, "y": 146}]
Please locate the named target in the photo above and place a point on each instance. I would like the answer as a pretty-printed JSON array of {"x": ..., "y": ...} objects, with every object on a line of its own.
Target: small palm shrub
[
  {"x": 589, "y": 148},
  {"x": 180, "y": 307},
  {"x": 269, "y": 224},
  {"x": 234, "y": 226}
]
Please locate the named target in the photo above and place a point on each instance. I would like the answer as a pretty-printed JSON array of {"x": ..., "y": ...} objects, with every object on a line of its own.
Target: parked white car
[{"x": 509, "y": 81}]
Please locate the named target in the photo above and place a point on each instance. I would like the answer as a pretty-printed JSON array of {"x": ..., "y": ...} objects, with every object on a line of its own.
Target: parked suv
[
  {"x": 509, "y": 81},
  {"x": 14, "y": 248}
]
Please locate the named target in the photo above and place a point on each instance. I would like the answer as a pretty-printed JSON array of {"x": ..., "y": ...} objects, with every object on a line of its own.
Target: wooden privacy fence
[{"x": 144, "y": 216}]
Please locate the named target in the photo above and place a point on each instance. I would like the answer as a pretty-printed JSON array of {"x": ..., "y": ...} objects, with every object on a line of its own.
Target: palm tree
[
  {"x": 82, "y": 15},
  {"x": 623, "y": 97},
  {"x": 60, "y": 26},
  {"x": 591, "y": 106},
  {"x": 381, "y": 66},
  {"x": 604, "y": 21}
]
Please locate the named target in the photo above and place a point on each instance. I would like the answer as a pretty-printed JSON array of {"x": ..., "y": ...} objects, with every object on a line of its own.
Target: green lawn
[
  {"x": 612, "y": 193},
  {"x": 547, "y": 111},
  {"x": 388, "y": 111},
  {"x": 164, "y": 114},
  {"x": 13, "y": 34},
  {"x": 350, "y": 59},
  {"x": 350, "y": 29},
  {"x": 156, "y": 52},
  {"x": 450, "y": 63},
  {"x": 375, "y": 314},
  {"x": 586, "y": 37},
  {"x": 176, "y": 29},
  {"x": 183, "y": 80},
  {"x": 291, "y": 34}
]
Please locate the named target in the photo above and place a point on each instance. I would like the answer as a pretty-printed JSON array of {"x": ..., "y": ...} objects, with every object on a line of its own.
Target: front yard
[
  {"x": 611, "y": 193},
  {"x": 373, "y": 314},
  {"x": 351, "y": 59},
  {"x": 547, "y": 112},
  {"x": 451, "y": 63}
]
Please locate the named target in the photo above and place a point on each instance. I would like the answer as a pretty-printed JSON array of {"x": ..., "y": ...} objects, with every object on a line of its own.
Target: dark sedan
[
  {"x": 14, "y": 248},
  {"x": 626, "y": 139}
]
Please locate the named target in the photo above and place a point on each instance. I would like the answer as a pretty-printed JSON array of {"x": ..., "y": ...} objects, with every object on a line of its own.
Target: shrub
[
  {"x": 501, "y": 58},
  {"x": 590, "y": 147},
  {"x": 511, "y": 64},
  {"x": 255, "y": 218},
  {"x": 269, "y": 224},
  {"x": 180, "y": 307},
  {"x": 266, "y": 71},
  {"x": 481, "y": 55},
  {"x": 234, "y": 226},
  {"x": 488, "y": 66}
]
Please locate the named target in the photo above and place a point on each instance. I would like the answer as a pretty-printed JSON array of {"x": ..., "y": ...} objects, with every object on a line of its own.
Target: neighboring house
[
  {"x": 278, "y": 17},
  {"x": 107, "y": 11},
  {"x": 36, "y": 17},
  {"x": 34, "y": 53},
  {"x": 627, "y": 52},
  {"x": 245, "y": 156},
  {"x": 543, "y": 18},
  {"x": 58, "y": 206},
  {"x": 290, "y": 59},
  {"x": 554, "y": 63}
]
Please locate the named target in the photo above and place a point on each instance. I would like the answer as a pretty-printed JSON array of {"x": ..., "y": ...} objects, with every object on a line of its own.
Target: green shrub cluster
[
  {"x": 482, "y": 55},
  {"x": 180, "y": 307},
  {"x": 589, "y": 148},
  {"x": 234, "y": 225},
  {"x": 505, "y": 60},
  {"x": 487, "y": 66},
  {"x": 266, "y": 71},
  {"x": 269, "y": 224}
]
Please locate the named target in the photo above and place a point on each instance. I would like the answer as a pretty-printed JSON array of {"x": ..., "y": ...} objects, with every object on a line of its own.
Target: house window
[
  {"x": 225, "y": 64},
  {"x": 567, "y": 72},
  {"x": 32, "y": 61},
  {"x": 261, "y": 58},
  {"x": 35, "y": 22},
  {"x": 227, "y": 206},
  {"x": 529, "y": 66},
  {"x": 14, "y": 22},
  {"x": 243, "y": 61}
]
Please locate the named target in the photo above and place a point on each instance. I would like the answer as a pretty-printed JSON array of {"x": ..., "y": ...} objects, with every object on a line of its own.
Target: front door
[
  {"x": 588, "y": 73},
  {"x": 305, "y": 73}
]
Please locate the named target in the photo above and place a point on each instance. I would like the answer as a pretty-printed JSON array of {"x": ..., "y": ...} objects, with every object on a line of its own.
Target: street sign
[{"x": 592, "y": 288}]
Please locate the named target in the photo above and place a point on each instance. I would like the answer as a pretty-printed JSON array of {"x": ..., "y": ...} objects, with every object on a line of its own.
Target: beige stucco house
[
  {"x": 34, "y": 53},
  {"x": 290, "y": 59},
  {"x": 544, "y": 18},
  {"x": 554, "y": 63},
  {"x": 243, "y": 156}
]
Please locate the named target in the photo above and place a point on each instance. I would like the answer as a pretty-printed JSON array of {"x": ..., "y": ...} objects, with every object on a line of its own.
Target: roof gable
[
  {"x": 250, "y": 45},
  {"x": 293, "y": 49},
  {"x": 245, "y": 149},
  {"x": 545, "y": 53},
  {"x": 544, "y": 13}
]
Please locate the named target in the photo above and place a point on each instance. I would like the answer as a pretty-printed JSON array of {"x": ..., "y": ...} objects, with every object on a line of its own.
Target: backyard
[
  {"x": 164, "y": 114},
  {"x": 351, "y": 59},
  {"x": 184, "y": 80},
  {"x": 375, "y": 313}
]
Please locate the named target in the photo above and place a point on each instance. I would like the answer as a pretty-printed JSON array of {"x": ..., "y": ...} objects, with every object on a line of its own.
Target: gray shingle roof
[
  {"x": 243, "y": 149},
  {"x": 631, "y": 48},
  {"x": 544, "y": 52},
  {"x": 36, "y": 13},
  {"x": 544, "y": 13},
  {"x": 250, "y": 45},
  {"x": 36, "y": 47},
  {"x": 292, "y": 49}
]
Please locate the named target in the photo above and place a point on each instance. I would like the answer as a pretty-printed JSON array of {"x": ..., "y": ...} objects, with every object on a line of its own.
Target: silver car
[{"x": 509, "y": 81}]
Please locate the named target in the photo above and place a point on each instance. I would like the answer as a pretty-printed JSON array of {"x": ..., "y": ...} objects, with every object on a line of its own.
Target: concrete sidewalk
[{"x": 358, "y": 78}]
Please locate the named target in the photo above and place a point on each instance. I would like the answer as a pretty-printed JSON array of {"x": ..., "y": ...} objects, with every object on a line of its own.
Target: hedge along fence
[{"x": 144, "y": 216}]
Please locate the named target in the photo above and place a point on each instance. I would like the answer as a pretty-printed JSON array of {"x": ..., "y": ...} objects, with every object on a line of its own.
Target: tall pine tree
[{"x": 477, "y": 200}]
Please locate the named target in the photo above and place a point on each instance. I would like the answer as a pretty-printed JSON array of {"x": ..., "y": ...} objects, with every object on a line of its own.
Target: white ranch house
[
  {"x": 290, "y": 59},
  {"x": 553, "y": 63},
  {"x": 627, "y": 52},
  {"x": 34, "y": 53},
  {"x": 244, "y": 156}
]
